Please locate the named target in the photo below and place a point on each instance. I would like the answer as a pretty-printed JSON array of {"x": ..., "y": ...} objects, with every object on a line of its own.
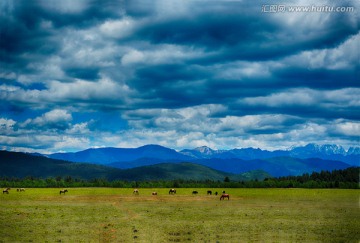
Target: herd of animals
[
  {"x": 6, "y": 190},
  {"x": 136, "y": 192},
  {"x": 173, "y": 191}
]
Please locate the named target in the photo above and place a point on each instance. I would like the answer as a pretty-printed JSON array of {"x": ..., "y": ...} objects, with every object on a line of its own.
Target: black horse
[
  {"x": 172, "y": 191},
  {"x": 195, "y": 192},
  {"x": 209, "y": 192}
]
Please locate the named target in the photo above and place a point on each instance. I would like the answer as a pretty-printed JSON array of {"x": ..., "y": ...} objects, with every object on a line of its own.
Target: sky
[{"x": 182, "y": 74}]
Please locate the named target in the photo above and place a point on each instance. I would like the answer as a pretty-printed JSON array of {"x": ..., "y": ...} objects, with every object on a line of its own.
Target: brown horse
[
  {"x": 63, "y": 191},
  {"x": 223, "y": 196},
  {"x": 20, "y": 189},
  {"x": 172, "y": 191}
]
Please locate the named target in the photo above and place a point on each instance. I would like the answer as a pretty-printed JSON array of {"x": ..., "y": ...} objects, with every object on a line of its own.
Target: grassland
[{"x": 116, "y": 215}]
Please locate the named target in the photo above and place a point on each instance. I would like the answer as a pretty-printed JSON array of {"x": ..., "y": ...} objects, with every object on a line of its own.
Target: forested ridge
[{"x": 347, "y": 178}]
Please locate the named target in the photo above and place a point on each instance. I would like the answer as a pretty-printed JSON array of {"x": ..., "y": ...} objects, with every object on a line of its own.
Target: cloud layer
[{"x": 176, "y": 73}]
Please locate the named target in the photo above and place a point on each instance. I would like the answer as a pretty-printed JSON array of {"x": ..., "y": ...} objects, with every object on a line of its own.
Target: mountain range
[
  {"x": 326, "y": 152},
  {"x": 21, "y": 165},
  {"x": 294, "y": 161}
]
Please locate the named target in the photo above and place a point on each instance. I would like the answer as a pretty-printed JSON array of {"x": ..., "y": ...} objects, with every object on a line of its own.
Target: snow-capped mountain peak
[
  {"x": 353, "y": 151},
  {"x": 328, "y": 149},
  {"x": 205, "y": 150}
]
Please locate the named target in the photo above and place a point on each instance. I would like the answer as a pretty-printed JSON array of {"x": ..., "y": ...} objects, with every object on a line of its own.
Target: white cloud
[
  {"x": 30, "y": 140},
  {"x": 200, "y": 120},
  {"x": 54, "y": 119},
  {"x": 160, "y": 54},
  {"x": 132, "y": 57},
  {"x": 67, "y": 143},
  {"x": 104, "y": 89},
  {"x": 186, "y": 119},
  {"x": 7, "y": 75},
  {"x": 80, "y": 128},
  {"x": 87, "y": 48},
  {"x": 119, "y": 28},
  {"x": 303, "y": 97},
  {"x": 6, "y": 126},
  {"x": 52, "y": 65},
  {"x": 7, "y": 89},
  {"x": 242, "y": 69},
  {"x": 347, "y": 128},
  {"x": 56, "y": 115},
  {"x": 102, "y": 92},
  {"x": 347, "y": 97},
  {"x": 341, "y": 57}
]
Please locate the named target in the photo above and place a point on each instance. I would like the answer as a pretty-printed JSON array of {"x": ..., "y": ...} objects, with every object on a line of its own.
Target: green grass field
[{"x": 116, "y": 215}]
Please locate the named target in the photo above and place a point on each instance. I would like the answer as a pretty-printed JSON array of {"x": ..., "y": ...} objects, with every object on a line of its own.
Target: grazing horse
[
  {"x": 223, "y": 196},
  {"x": 209, "y": 192},
  {"x": 172, "y": 191},
  {"x": 154, "y": 193},
  {"x": 216, "y": 193},
  {"x": 6, "y": 190},
  {"x": 63, "y": 191},
  {"x": 136, "y": 192},
  {"x": 195, "y": 192},
  {"x": 20, "y": 189}
]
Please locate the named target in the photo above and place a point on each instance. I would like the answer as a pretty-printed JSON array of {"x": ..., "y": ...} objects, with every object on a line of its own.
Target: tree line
[{"x": 348, "y": 179}]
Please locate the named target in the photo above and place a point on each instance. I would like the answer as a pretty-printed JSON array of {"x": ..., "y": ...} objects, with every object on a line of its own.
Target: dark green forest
[{"x": 347, "y": 179}]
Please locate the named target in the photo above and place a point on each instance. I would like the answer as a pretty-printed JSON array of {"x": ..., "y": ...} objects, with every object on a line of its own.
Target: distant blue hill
[
  {"x": 111, "y": 155},
  {"x": 278, "y": 166}
]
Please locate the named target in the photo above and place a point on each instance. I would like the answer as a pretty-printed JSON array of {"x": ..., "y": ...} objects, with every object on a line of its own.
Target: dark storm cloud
[
  {"x": 307, "y": 112},
  {"x": 207, "y": 31},
  {"x": 187, "y": 73},
  {"x": 83, "y": 73},
  {"x": 227, "y": 37},
  {"x": 35, "y": 28},
  {"x": 318, "y": 78},
  {"x": 175, "y": 85},
  {"x": 232, "y": 34},
  {"x": 21, "y": 33}
]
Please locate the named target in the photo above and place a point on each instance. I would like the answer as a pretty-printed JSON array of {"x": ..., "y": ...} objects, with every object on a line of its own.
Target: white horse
[{"x": 136, "y": 192}]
